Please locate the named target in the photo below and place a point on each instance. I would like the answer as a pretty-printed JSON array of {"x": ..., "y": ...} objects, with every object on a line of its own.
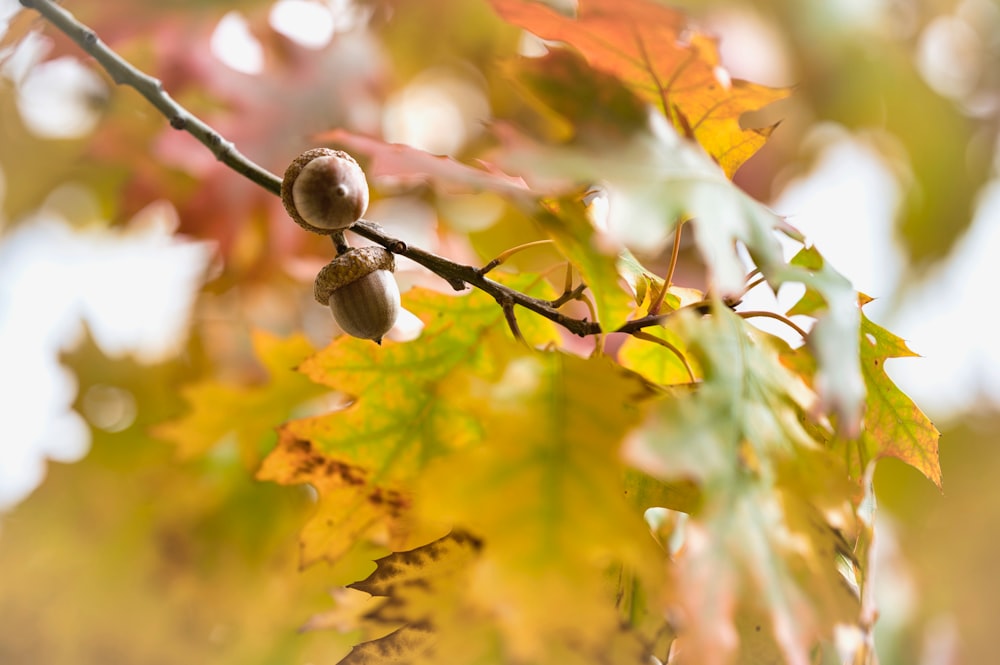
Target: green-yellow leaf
[
  {"x": 658, "y": 363},
  {"x": 893, "y": 425},
  {"x": 411, "y": 403}
]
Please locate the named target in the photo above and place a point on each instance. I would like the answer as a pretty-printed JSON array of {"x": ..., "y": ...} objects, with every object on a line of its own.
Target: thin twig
[
  {"x": 506, "y": 254},
  {"x": 572, "y": 294},
  {"x": 641, "y": 334},
  {"x": 459, "y": 276},
  {"x": 592, "y": 308}
]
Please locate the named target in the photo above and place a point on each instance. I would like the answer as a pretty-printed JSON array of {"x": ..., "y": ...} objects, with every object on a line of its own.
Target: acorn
[
  {"x": 324, "y": 190},
  {"x": 361, "y": 292}
]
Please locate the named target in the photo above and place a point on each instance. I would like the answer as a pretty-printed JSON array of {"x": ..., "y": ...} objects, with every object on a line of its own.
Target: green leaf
[
  {"x": 654, "y": 178},
  {"x": 748, "y": 396},
  {"x": 758, "y": 538}
]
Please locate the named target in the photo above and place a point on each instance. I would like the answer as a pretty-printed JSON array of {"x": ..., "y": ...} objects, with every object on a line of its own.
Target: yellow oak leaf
[
  {"x": 546, "y": 497},
  {"x": 656, "y": 362},
  {"x": 248, "y": 412},
  {"x": 351, "y": 508}
]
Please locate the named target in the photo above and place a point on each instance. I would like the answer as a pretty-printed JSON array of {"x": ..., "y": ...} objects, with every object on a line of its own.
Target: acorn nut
[
  {"x": 324, "y": 190},
  {"x": 362, "y": 293}
]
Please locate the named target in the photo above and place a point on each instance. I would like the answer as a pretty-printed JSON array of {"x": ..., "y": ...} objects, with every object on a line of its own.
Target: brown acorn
[
  {"x": 361, "y": 292},
  {"x": 324, "y": 190}
]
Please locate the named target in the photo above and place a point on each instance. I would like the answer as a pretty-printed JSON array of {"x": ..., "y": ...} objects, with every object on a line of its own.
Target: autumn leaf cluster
[{"x": 678, "y": 485}]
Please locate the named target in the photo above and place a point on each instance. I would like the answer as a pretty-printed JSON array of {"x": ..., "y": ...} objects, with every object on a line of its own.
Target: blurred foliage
[
  {"x": 855, "y": 64},
  {"x": 132, "y": 557},
  {"x": 135, "y": 556}
]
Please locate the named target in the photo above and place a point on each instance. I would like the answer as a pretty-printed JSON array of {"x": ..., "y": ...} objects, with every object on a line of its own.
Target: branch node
[{"x": 178, "y": 122}]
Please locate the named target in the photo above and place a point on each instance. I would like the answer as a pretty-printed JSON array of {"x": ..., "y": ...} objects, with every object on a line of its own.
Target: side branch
[{"x": 459, "y": 275}]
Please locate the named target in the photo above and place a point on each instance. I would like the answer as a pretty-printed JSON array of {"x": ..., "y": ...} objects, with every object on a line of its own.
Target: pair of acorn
[{"x": 325, "y": 191}]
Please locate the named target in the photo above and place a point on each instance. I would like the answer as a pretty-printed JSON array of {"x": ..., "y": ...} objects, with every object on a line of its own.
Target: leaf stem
[
  {"x": 569, "y": 294},
  {"x": 774, "y": 315},
  {"x": 654, "y": 307},
  {"x": 642, "y": 334},
  {"x": 508, "y": 312}
]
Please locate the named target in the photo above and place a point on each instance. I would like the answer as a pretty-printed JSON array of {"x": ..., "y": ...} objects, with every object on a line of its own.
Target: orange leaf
[{"x": 652, "y": 50}]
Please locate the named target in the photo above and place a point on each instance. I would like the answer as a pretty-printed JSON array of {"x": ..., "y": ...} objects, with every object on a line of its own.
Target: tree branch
[
  {"x": 123, "y": 73},
  {"x": 457, "y": 275}
]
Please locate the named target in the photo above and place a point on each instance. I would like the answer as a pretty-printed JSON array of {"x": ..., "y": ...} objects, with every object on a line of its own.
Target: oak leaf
[
  {"x": 893, "y": 425},
  {"x": 758, "y": 537},
  {"x": 248, "y": 412},
  {"x": 546, "y": 498},
  {"x": 411, "y": 403}
]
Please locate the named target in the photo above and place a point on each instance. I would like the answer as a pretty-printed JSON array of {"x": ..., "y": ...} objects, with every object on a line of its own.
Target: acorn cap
[
  {"x": 349, "y": 267},
  {"x": 324, "y": 190}
]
